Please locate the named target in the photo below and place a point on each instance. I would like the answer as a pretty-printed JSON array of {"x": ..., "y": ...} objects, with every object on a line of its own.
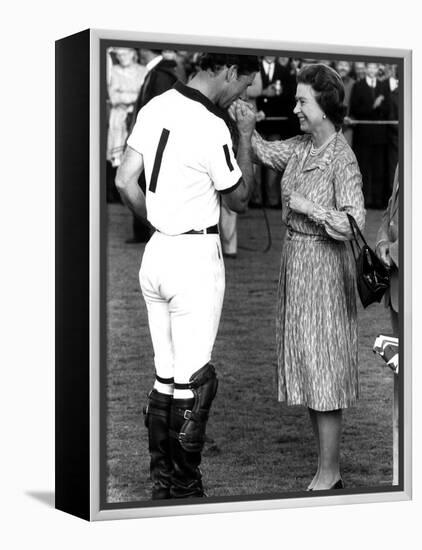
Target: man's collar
[
  {"x": 369, "y": 80},
  {"x": 196, "y": 95},
  {"x": 154, "y": 62}
]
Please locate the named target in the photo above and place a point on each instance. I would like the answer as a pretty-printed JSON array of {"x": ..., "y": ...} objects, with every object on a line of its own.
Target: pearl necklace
[{"x": 316, "y": 150}]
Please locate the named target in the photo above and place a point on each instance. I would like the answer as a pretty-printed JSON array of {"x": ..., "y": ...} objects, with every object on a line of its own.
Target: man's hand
[
  {"x": 383, "y": 252},
  {"x": 260, "y": 115},
  {"x": 245, "y": 118},
  {"x": 244, "y": 115},
  {"x": 298, "y": 203},
  {"x": 269, "y": 91},
  {"x": 378, "y": 101}
]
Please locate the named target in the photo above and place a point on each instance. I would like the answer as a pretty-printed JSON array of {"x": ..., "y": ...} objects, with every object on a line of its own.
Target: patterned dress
[
  {"x": 317, "y": 344},
  {"x": 123, "y": 89}
]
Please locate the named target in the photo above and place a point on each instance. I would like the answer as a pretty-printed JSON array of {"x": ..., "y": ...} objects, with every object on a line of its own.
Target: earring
[{"x": 324, "y": 116}]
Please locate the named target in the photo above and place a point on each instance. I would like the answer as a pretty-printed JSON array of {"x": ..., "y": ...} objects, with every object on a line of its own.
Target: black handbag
[{"x": 372, "y": 277}]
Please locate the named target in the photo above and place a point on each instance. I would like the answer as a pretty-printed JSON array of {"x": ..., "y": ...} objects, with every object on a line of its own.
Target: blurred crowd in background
[{"x": 134, "y": 76}]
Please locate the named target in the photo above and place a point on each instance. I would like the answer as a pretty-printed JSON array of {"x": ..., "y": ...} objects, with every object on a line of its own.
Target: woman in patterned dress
[
  {"x": 124, "y": 82},
  {"x": 317, "y": 344}
]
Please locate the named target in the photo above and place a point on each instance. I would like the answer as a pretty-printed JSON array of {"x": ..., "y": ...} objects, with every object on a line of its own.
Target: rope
[
  {"x": 274, "y": 118},
  {"x": 375, "y": 122},
  {"x": 350, "y": 121},
  {"x": 269, "y": 236}
]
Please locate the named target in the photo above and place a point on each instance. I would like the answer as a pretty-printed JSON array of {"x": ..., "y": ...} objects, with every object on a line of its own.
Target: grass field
[{"x": 256, "y": 445}]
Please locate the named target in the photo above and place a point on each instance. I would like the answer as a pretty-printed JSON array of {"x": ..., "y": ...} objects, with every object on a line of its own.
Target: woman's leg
[
  {"x": 329, "y": 430},
  {"x": 313, "y": 418}
]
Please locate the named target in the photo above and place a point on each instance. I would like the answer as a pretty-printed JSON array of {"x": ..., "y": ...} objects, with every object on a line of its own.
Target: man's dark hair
[
  {"x": 246, "y": 64},
  {"x": 329, "y": 90}
]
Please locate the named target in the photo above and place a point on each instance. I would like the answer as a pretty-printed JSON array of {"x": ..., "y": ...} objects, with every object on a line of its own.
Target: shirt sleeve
[
  {"x": 222, "y": 165},
  {"x": 384, "y": 232},
  {"x": 138, "y": 138},
  {"x": 274, "y": 154},
  {"x": 349, "y": 200}
]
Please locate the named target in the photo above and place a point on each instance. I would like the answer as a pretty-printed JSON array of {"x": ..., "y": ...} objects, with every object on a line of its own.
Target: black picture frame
[{"x": 81, "y": 220}]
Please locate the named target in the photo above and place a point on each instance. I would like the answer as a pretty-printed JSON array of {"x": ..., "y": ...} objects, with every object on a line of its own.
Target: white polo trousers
[{"x": 182, "y": 280}]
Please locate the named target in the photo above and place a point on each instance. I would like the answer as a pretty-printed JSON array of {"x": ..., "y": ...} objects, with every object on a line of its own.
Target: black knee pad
[{"x": 193, "y": 420}]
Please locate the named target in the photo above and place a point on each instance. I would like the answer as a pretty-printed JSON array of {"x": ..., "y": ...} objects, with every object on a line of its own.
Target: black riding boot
[
  {"x": 186, "y": 476},
  {"x": 188, "y": 419},
  {"x": 157, "y": 415}
]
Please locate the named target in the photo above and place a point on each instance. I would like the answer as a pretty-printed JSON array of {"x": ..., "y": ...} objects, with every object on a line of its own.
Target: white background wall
[{"x": 27, "y": 272}]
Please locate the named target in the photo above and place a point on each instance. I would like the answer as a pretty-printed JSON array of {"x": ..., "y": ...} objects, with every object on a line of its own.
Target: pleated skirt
[{"x": 317, "y": 341}]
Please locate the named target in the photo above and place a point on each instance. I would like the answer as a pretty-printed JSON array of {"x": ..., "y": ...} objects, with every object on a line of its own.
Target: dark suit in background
[
  {"x": 157, "y": 81},
  {"x": 281, "y": 104},
  {"x": 370, "y": 141},
  {"x": 393, "y": 137},
  {"x": 348, "y": 83}
]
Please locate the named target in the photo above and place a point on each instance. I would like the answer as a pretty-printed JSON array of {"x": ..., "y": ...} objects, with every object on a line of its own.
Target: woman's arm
[
  {"x": 349, "y": 200},
  {"x": 274, "y": 154}
]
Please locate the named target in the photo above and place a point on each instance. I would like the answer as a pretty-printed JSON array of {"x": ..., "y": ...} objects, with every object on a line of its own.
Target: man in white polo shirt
[{"x": 183, "y": 144}]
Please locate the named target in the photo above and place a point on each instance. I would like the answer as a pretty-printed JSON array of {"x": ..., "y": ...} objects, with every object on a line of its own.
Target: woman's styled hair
[
  {"x": 329, "y": 90},
  {"x": 246, "y": 64}
]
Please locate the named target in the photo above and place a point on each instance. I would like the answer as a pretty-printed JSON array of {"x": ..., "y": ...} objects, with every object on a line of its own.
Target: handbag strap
[
  {"x": 355, "y": 229},
  {"x": 356, "y": 232}
]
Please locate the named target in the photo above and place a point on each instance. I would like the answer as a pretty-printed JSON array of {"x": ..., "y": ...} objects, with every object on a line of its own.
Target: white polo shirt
[{"x": 188, "y": 156}]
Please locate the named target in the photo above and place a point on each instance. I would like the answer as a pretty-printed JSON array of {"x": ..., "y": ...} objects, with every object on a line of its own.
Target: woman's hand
[
  {"x": 232, "y": 110},
  {"x": 245, "y": 117},
  {"x": 298, "y": 203}
]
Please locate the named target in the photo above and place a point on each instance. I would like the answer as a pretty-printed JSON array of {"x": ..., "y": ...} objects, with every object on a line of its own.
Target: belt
[
  {"x": 293, "y": 235},
  {"x": 212, "y": 229}
]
